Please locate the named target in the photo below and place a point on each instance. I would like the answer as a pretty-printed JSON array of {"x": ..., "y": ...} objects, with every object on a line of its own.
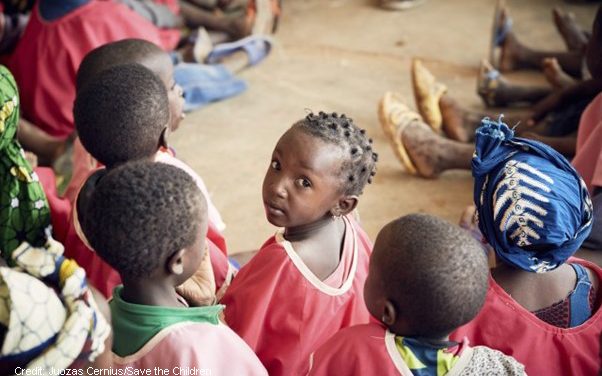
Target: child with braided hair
[{"x": 306, "y": 282}]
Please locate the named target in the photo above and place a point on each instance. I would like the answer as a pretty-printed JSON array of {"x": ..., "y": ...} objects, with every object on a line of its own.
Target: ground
[{"x": 342, "y": 55}]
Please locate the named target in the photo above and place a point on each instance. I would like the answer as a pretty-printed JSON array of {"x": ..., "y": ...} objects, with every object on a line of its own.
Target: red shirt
[
  {"x": 284, "y": 312},
  {"x": 47, "y": 57},
  {"x": 544, "y": 349}
]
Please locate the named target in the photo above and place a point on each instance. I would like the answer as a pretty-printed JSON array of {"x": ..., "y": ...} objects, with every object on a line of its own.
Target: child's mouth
[{"x": 273, "y": 210}]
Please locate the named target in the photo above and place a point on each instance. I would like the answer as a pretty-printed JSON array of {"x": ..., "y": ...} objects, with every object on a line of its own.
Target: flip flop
[
  {"x": 400, "y": 4},
  {"x": 257, "y": 48},
  {"x": 500, "y": 29},
  {"x": 487, "y": 82},
  {"x": 394, "y": 117},
  {"x": 265, "y": 15},
  {"x": 427, "y": 93}
]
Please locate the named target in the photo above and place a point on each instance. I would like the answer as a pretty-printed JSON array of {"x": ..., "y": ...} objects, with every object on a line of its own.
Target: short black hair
[
  {"x": 121, "y": 113},
  {"x": 436, "y": 273},
  {"x": 360, "y": 166},
  {"x": 125, "y": 51},
  {"x": 142, "y": 212}
]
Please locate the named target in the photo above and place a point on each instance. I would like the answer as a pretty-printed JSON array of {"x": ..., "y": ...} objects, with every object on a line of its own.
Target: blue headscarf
[{"x": 533, "y": 207}]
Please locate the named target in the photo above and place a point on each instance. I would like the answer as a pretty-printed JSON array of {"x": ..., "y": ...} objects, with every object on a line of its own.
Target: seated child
[
  {"x": 24, "y": 213},
  {"x": 48, "y": 90},
  {"x": 50, "y": 319},
  {"x": 148, "y": 220},
  {"x": 427, "y": 277},
  {"x": 535, "y": 211},
  {"x": 139, "y": 129},
  {"x": 306, "y": 281}
]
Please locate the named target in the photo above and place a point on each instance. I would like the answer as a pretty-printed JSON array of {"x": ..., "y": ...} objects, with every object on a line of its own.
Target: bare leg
[
  {"x": 196, "y": 17},
  {"x": 460, "y": 124},
  {"x": 516, "y": 56},
  {"x": 433, "y": 154},
  {"x": 564, "y": 145},
  {"x": 572, "y": 34}
]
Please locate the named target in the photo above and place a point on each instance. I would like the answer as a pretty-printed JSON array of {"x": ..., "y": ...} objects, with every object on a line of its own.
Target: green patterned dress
[{"x": 24, "y": 211}]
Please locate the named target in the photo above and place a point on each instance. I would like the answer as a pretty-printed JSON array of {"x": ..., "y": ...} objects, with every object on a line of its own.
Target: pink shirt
[{"x": 588, "y": 159}]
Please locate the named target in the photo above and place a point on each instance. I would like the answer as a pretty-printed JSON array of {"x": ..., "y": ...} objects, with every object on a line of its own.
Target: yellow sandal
[
  {"x": 427, "y": 93},
  {"x": 394, "y": 117}
]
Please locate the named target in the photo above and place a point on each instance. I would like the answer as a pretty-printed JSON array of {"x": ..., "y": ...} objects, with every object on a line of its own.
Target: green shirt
[{"x": 135, "y": 324}]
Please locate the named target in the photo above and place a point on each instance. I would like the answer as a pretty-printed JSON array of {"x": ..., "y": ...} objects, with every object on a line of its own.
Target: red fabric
[
  {"x": 282, "y": 315},
  {"x": 59, "y": 207},
  {"x": 46, "y": 60},
  {"x": 544, "y": 349},
  {"x": 359, "y": 350}
]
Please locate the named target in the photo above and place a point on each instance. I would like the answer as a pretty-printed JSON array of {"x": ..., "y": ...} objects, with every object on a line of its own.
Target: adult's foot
[
  {"x": 454, "y": 119},
  {"x": 424, "y": 148},
  {"x": 555, "y": 75},
  {"x": 572, "y": 34}
]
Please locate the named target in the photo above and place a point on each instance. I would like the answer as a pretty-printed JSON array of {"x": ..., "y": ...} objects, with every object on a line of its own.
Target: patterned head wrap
[
  {"x": 533, "y": 207},
  {"x": 24, "y": 212},
  {"x": 47, "y": 311}
]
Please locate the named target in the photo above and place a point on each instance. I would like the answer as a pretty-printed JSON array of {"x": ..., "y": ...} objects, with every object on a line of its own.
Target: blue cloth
[
  {"x": 580, "y": 309},
  {"x": 54, "y": 9},
  {"x": 203, "y": 84},
  {"x": 533, "y": 207}
]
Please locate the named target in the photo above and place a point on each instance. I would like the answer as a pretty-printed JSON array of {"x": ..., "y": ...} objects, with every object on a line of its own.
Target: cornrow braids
[{"x": 360, "y": 166}]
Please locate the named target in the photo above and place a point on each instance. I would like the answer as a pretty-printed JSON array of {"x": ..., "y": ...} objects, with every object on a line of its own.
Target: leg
[
  {"x": 564, "y": 145},
  {"x": 422, "y": 151},
  {"x": 572, "y": 34},
  {"x": 515, "y": 55},
  {"x": 196, "y": 17}
]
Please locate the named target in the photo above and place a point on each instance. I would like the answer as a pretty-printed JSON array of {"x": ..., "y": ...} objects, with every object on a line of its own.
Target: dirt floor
[{"x": 342, "y": 55}]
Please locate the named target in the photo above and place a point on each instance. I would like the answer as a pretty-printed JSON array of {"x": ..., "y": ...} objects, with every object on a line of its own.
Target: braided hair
[{"x": 360, "y": 165}]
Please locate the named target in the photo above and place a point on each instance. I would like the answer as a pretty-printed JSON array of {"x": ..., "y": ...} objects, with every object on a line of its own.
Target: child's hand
[
  {"x": 199, "y": 290},
  {"x": 543, "y": 107},
  {"x": 32, "y": 159}
]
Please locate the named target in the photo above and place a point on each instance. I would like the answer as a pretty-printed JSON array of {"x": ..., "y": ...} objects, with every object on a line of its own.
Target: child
[
  {"x": 50, "y": 319},
  {"x": 148, "y": 220},
  {"x": 427, "y": 277},
  {"x": 306, "y": 281},
  {"x": 139, "y": 129},
  {"x": 80, "y": 26},
  {"x": 535, "y": 212}
]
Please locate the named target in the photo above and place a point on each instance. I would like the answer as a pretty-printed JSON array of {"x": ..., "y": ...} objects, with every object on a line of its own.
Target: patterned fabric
[
  {"x": 486, "y": 361},
  {"x": 24, "y": 212},
  {"x": 48, "y": 313},
  {"x": 583, "y": 296},
  {"x": 533, "y": 207},
  {"x": 429, "y": 359}
]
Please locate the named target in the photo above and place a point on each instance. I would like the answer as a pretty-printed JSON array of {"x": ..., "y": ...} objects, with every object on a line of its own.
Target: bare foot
[
  {"x": 453, "y": 119},
  {"x": 572, "y": 34},
  {"x": 555, "y": 75},
  {"x": 422, "y": 145},
  {"x": 511, "y": 53}
]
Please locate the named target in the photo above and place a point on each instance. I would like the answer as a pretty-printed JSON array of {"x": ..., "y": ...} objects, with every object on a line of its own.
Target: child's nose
[{"x": 280, "y": 188}]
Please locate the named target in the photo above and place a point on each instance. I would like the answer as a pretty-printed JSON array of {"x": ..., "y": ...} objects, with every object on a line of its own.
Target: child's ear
[
  {"x": 164, "y": 137},
  {"x": 389, "y": 314},
  {"x": 344, "y": 206},
  {"x": 175, "y": 263}
]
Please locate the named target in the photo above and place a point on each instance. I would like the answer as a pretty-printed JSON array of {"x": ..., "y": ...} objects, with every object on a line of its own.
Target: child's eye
[
  {"x": 303, "y": 183},
  {"x": 275, "y": 165}
]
